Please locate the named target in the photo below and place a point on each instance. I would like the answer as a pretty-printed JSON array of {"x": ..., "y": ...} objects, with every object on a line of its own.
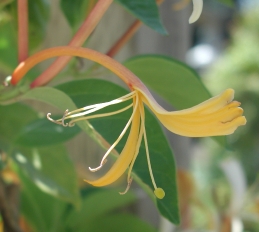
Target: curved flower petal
[
  {"x": 216, "y": 116},
  {"x": 124, "y": 159},
  {"x": 197, "y": 9}
]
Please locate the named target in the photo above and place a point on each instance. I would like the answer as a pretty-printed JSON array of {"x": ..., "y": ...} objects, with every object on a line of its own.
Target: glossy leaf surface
[
  {"x": 85, "y": 93},
  {"x": 146, "y": 11}
]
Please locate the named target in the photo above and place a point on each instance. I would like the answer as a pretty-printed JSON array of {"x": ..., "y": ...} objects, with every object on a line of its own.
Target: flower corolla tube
[{"x": 217, "y": 116}]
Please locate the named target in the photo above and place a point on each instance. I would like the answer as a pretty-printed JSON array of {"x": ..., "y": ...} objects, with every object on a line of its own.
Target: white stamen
[
  {"x": 72, "y": 122},
  {"x": 96, "y": 107},
  {"x": 197, "y": 9}
]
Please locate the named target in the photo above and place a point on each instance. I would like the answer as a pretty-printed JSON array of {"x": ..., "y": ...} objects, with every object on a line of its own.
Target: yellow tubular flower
[{"x": 219, "y": 115}]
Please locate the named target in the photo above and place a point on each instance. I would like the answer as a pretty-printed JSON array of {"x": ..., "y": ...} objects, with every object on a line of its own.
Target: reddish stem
[
  {"x": 22, "y": 30},
  {"x": 80, "y": 37},
  {"x": 127, "y": 36},
  {"x": 124, "y": 39},
  {"x": 127, "y": 76}
]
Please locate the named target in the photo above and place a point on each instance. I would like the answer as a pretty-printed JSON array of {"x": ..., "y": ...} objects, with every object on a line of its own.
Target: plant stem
[
  {"x": 124, "y": 39},
  {"x": 127, "y": 36},
  {"x": 80, "y": 37},
  {"x": 22, "y": 30}
]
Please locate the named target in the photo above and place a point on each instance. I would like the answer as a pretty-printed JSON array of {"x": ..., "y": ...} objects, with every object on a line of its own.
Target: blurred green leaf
[
  {"x": 3, "y": 3},
  {"x": 75, "y": 11},
  {"x": 228, "y": 2},
  {"x": 38, "y": 18},
  {"x": 43, "y": 133},
  {"x": 12, "y": 119},
  {"x": 51, "y": 170},
  {"x": 146, "y": 11},
  {"x": 122, "y": 222},
  {"x": 42, "y": 211},
  {"x": 94, "y": 207},
  {"x": 50, "y": 96},
  {"x": 8, "y": 47},
  {"x": 176, "y": 82},
  {"x": 84, "y": 93}
]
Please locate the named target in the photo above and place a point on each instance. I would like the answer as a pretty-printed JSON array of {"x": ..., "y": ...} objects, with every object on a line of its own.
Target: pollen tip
[{"x": 160, "y": 193}]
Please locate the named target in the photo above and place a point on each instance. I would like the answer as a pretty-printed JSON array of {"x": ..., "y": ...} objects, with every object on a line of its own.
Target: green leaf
[
  {"x": 146, "y": 11},
  {"x": 43, "y": 133},
  {"x": 75, "y": 11},
  {"x": 51, "y": 170},
  {"x": 174, "y": 81},
  {"x": 229, "y": 3},
  {"x": 120, "y": 222},
  {"x": 57, "y": 99},
  {"x": 12, "y": 119},
  {"x": 177, "y": 83},
  {"x": 94, "y": 206},
  {"x": 85, "y": 92},
  {"x": 38, "y": 19},
  {"x": 50, "y": 96},
  {"x": 8, "y": 47},
  {"x": 42, "y": 211}
]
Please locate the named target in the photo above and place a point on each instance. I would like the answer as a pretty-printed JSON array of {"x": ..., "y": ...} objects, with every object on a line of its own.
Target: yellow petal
[
  {"x": 216, "y": 116},
  {"x": 125, "y": 158}
]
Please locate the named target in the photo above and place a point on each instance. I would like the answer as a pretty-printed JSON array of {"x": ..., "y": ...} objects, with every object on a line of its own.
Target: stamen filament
[
  {"x": 127, "y": 188},
  {"x": 119, "y": 138},
  {"x": 136, "y": 151},
  {"x": 72, "y": 122},
  {"x": 96, "y": 107},
  {"x": 159, "y": 192}
]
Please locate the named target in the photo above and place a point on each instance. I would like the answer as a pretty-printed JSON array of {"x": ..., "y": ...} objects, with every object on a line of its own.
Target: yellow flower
[
  {"x": 216, "y": 116},
  {"x": 219, "y": 115}
]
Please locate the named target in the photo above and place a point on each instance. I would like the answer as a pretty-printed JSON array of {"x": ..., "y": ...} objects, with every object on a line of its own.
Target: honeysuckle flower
[{"x": 219, "y": 115}]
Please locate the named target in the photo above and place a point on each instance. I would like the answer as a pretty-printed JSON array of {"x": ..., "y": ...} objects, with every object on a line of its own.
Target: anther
[
  {"x": 99, "y": 167},
  {"x": 52, "y": 120},
  {"x": 128, "y": 187},
  {"x": 160, "y": 193}
]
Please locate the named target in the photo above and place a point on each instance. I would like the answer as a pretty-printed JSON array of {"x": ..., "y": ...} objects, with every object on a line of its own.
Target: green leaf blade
[
  {"x": 84, "y": 93},
  {"x": 146, "y": 11},
  {"x": 40, "y": 165},
  {"x": 43, "y": 133}
]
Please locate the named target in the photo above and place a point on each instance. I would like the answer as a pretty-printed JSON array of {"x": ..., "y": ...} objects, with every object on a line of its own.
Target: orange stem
[
  {"x": 121, "y": 71},
  {"x": 22, "y": 30},
  {"x": 80, "y": 37}
]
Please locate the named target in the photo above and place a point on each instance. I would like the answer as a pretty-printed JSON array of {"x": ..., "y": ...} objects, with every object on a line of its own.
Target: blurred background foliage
[{"x": 220, "y": 191}]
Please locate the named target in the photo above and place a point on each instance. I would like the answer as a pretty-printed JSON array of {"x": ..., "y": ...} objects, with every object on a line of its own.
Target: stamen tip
[
  {"x": 128, "y": 187},
  {"x": 160, "y": 193}
]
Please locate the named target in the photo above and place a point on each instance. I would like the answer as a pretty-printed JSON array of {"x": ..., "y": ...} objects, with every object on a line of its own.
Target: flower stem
[
  {"x": 126, "y": 75},
  {"x": 80, "y": 37},
  {"x": 22, "y": 30}
]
